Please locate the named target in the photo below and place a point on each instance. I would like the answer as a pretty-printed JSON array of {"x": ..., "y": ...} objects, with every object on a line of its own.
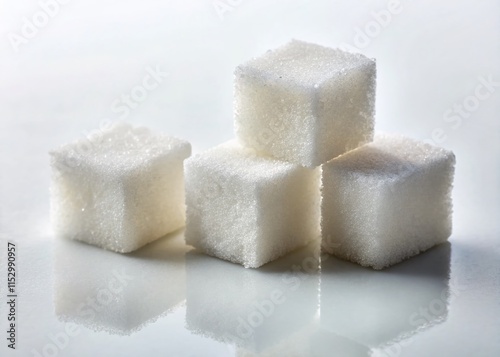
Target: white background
[{"x": 61, "y": 84}]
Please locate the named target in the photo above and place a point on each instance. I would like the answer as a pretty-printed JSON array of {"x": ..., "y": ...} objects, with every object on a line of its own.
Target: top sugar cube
[{"x": 305, "y": 103}]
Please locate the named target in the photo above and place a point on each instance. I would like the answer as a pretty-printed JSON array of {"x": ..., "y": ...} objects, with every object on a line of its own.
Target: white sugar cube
[
  {"x": 120, "y": 189},
  {"x": 305, "y": 103},
  {"x": 249, "y": 209},
  {"x": 387, "y": 201}
]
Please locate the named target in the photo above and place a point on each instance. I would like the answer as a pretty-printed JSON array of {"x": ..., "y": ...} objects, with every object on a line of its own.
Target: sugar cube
[
  {"x": 305, "y": 103},
  {"x": 387, "y": 201},
  {"x": 249, "y": 209},
  {"x": 120, "y": 189}
]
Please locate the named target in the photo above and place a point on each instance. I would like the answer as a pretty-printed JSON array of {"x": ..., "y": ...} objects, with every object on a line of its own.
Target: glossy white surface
[{"x": 166, "y": 299}]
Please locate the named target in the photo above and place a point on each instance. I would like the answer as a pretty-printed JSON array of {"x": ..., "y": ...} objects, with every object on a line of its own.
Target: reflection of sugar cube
[
  {"x": 119, "y": 293},
  {"x": 119, "y": 190},
  {"x": 249, "y": 209},
  {"x": 251, "y": 308},
  {"x": 305, "y": 103},
  {"x": 380, "y": 309},
  {"x": 387, "y": 201}
]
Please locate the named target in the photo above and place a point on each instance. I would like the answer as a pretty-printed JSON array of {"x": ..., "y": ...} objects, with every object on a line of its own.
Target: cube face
[
  {"x": 426, "y": 197},
  {"x": 220, "y": 211},
  {"x": 147, "y": 219},
  {"x": 79, "y": 202},
  {"x": 387, "y": 201},
  {"x": 290, "y": 211},
  {"x": 349, "y": 217},
  {"x": 305, "y": 103},
  {"x": 249, "y": 209},
  {"x": 345, "y": 111},
  {"x": 122, "y": 192},
  {"x": 275, "y": 119}
]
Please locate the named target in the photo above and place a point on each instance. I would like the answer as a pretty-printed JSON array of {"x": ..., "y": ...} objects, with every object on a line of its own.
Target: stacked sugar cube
[
  {"x": 305, "y": 103},
  {"x": 302, "y": 112}
]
